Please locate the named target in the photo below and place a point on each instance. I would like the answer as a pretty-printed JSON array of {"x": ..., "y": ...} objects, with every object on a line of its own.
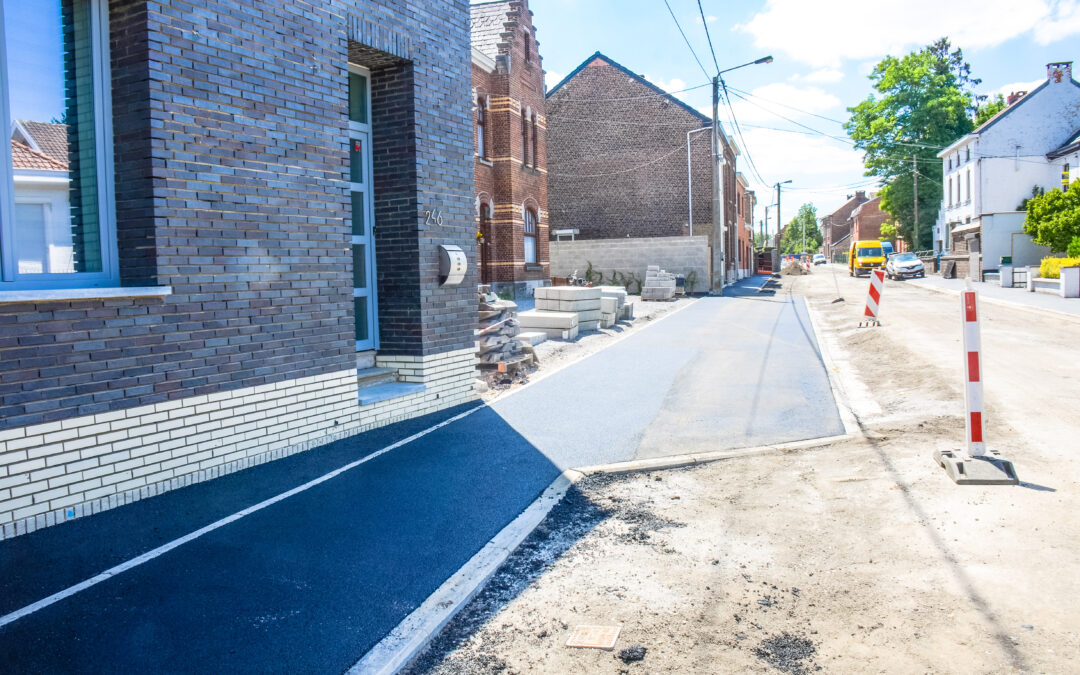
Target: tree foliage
[
  {"x": 989, "y": 109},
  {"x": 804, "y": 221},
  {"x": 923, "y": 102},
  {"x": 889, "y": 231},
  {"x": 1053, "y": 218}
]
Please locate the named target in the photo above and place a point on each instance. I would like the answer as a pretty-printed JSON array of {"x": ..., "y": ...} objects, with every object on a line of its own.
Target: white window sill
[{"x": 68, "y": 294}]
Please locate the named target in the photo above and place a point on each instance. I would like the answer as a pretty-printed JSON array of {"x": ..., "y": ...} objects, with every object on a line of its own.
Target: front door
[{"x": 365, "y": 306}]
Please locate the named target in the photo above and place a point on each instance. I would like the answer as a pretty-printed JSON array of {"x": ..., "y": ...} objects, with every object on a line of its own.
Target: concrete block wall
[{"x": 678, "y": 255}]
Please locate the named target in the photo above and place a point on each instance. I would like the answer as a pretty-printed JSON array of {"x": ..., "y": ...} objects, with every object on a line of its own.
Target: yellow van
[{"x": 864, "y": 256}]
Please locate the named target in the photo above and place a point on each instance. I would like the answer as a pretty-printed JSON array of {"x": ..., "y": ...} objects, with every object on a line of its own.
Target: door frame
[{"x": 361, "y": 131}]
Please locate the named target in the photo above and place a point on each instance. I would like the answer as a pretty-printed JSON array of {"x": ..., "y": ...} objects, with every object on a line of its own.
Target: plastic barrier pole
[{"x": 973, "y": 390}]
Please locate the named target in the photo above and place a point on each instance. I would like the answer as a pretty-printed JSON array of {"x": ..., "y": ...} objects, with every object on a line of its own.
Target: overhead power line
[
  {"x": 705, "y": 23},
  {"x": 631, "y": 98},
  {"x": 687, "y": 41}
]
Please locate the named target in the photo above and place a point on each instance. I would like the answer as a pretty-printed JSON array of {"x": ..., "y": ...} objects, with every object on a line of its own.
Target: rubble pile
[
  {"x": 497, "y": 342},
  {"x": 659, "y": 285}
]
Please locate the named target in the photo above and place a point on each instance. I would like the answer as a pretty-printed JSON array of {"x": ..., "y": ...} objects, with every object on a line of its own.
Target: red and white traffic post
[
  {"x": 977, "y": 466},
  {"x": 973, "y": 388},
  {"x": 873, "y": 299}
]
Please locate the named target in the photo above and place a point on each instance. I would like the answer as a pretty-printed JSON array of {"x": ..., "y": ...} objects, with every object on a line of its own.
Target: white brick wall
[
  {"x": 678, "y": 255},
  {"x": 54, "y": 472}
]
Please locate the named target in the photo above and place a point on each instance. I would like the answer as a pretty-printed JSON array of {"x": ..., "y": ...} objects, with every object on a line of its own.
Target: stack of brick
[
  {"x": 583, "y": 301},
  {"x": 497, "y": 336},
  {"x": 659, "y": 285},
  {"x": 613, "y": 306}
]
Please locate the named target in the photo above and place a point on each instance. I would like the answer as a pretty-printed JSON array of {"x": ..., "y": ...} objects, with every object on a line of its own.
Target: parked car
[
  {"x": 819, "y": 259},
  {"x": 904, "y": 266},
  {"x": 864, "y": 256}
]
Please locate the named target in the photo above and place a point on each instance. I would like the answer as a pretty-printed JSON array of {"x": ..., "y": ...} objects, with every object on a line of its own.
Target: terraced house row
[{"x": 230, "y": 231}]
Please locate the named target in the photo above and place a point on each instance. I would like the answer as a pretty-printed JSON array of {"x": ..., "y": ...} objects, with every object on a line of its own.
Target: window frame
[
  {"x": 10, "y": 277},
  {"x": 535, "y": 142},
  {"x": 481, "y": 126},
  {"x": 527, "y": 235},
  {"x": 524, "y": 138}
]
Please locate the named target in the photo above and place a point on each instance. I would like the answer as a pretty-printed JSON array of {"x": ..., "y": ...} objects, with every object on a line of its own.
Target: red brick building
[
  {"x": 836, "y": 227},
  {"x": 619, "y": 168},
  {"x": 866, "y": 220},
  {"x": 510, "y": 127},
  {"x": 744, "y": 217}
]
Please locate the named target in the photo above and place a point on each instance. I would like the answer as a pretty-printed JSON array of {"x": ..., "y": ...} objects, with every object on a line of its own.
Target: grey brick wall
[{"x": 231, "y": 160}]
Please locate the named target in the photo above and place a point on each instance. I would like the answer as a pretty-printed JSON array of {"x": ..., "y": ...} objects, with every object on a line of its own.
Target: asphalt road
[{"x": 312, "y": 582}]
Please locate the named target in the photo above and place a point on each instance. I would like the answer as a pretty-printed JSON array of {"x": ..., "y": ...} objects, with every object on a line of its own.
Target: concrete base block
[
  {"x": 567, "y": 293},
  {"x": 541, "y": 319},
  {"x": 590, "y": 315},
  {"x": 658, "y": 293},
  {"x": 553, "y": 305},
  {"x": 987, "y": 470},
  {"x": 626, "y": 312},
  {"x": 609, "y": 305},
  {"x": 533, "y": 338},
  {"x": 589, "y": 325}
]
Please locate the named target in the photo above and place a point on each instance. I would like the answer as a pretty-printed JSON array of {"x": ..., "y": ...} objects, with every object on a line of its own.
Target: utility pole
[
  {"x": 915, "y": 188},
  {"x": 718, "y": 184}
]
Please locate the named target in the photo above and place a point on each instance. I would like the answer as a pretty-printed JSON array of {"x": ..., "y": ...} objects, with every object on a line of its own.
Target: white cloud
[
  {"x": 1007, "y": 89},
  {"x": 825, "y": 33},
  {"x": 551, "y": 78},
  {"x": 672, "y": 85},
  {"x": 821, "y": 76}
]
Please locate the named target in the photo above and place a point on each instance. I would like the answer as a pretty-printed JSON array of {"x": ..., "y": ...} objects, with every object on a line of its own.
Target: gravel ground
[
  {"x": 555, "y": 354},
  {"x": 858, "y": 556}
]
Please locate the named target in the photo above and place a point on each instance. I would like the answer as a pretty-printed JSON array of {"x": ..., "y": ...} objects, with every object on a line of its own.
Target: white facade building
[{"x": 989, "y": 172}]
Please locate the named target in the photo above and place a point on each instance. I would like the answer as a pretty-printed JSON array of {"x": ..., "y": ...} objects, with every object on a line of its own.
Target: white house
[
  {"x": 989, "y": 172},
  {"x": 39, "y": 158}
]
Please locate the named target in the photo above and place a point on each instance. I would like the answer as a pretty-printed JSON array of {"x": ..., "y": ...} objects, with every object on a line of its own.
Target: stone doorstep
[
  {"x": 385, "y": 392},
  {"x": 369, "y": 377}
]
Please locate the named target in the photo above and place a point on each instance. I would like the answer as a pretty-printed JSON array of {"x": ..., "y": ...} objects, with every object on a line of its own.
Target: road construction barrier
[
  {"x": 978, "y": 466},
  {"x": 973, "y": 390},
  {"x": 873, "y": 299}
]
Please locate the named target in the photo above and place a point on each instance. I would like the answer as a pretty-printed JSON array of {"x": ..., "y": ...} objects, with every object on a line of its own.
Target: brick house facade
[
  {"x": 243, "y": 250},
  {"x": 867, "y": 219},
  {"x": 510, "y": 128},
  {"x": 617, "y": 159},
  {"x": 745, "y": 201},
  {"x": 836, "y": 227}
]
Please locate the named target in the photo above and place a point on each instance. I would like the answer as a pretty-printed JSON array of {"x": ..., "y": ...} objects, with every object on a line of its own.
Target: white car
[
  {"x": 819, "y": 259},
  {"x": 904, "y": 266}
]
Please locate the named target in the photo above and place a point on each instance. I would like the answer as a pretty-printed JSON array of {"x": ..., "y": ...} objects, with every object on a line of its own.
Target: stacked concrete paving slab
[
  {"x": 583, "y": 301},
  {"x": 498, "y": 342},
  {"x": 659, "y": 285},
  {"x": 555, "y": 325},
  {"x": 624, "y": 311}
]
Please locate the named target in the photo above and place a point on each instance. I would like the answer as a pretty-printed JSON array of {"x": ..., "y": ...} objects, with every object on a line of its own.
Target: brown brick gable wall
[
  {"x": 617, "y": 159},
  {"x": 502, "y": 180}
]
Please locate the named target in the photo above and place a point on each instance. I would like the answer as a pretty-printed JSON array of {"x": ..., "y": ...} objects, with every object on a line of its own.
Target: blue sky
[
  {"x": 34, "y": 53},
  {"x": 823, "y": 50}
]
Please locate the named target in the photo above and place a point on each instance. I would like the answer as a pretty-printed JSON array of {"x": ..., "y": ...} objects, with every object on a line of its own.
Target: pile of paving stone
[
  {"x": 659, "y": 285},
  {"x": 613, "y": 306},
  {"x": 497, "y": 337}
]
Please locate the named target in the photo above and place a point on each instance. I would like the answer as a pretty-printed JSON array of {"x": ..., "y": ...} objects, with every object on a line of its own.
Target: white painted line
[
  {"x": 165, "y": 548},
  {"x": 415, "y": 631}
]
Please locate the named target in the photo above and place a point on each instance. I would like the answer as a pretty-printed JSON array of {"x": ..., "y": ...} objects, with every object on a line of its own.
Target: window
[
  {"x": 950, "y": 163},
  {"x": 57, "y": 226},
  {"x": 950, "y": 191},
  {"x": 967, "y": 185},
  {"x": 481, "y": 126},
  {"x": 524, "y": 140},
  {"x": 535, "y": 135},
  {"x": 530, "y": 236},
  {"x": 968, "y": 157},
  {"x": 1065, "y": 178},
  {"x": 528, "y": 49}
]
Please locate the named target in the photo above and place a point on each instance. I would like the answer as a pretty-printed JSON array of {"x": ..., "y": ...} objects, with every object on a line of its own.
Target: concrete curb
[
  {"x": 843, "y": 403},
  {"x": 1075, "y": 318},
  {"x": 417, "y": 630}
]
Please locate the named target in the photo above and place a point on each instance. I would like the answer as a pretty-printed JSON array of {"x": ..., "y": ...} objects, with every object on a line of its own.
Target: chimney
[
  {"x": 860, "y": 195},
  {"x": 1014, "y": 97},
  {"x": 1059, "y": 72}
]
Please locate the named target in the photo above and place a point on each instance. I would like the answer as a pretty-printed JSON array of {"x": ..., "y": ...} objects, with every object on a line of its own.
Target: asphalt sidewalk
[
  {"x": 1016, "y": 296},
  {"x": 310, "y": 583}
]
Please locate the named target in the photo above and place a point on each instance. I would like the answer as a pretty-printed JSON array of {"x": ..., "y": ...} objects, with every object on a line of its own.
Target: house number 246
[{"x": 433, "y": 217}]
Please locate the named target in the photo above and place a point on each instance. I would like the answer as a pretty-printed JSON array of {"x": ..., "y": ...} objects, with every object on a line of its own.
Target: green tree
[
  {"x": 922, "y": 103},
  {"x": 889, "y": 231},
  {"x": 1053, "y": 218},
  {"x": 804, "y": 221},
  {"x": 989, "y": 109}
]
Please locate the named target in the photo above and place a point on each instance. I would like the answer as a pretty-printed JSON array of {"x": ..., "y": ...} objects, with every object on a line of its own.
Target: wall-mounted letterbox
[{"x": 452, "y": 265}]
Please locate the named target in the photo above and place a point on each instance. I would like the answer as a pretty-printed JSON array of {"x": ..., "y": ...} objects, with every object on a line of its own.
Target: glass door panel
[{"x": 362, "y": 216}]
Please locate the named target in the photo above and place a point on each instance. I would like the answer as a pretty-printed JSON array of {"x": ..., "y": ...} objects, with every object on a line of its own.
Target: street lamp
[{"x": 718, "y": 195}]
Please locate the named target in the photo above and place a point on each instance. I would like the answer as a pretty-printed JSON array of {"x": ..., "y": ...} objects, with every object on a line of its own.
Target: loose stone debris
[{"x": 497, "y": 343}]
